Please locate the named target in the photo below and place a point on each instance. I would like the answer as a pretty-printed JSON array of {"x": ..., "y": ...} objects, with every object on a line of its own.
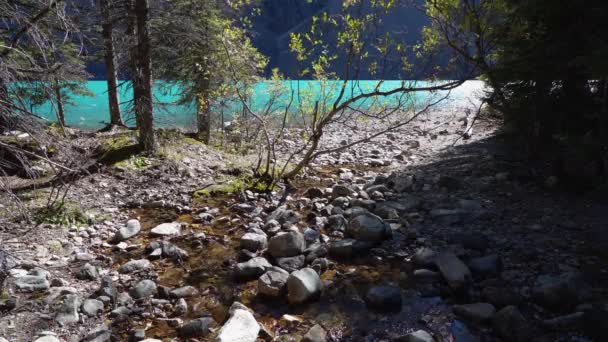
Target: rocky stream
[{"x": 406, "y": 238}]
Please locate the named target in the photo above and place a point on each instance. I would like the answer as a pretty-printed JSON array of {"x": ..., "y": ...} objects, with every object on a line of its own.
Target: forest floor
[{"x": 416, "y": 234}]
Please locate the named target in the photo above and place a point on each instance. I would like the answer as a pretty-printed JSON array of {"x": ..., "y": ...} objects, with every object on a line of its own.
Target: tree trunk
[
  {"x": 203, "y": 117},
  {"x": 142, "y": 89},
  {"x": 59, "y": 99},
  {"x": 106, "y": 32}
]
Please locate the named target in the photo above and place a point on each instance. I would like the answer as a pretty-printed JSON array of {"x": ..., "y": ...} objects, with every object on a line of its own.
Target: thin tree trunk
[
  {"x": 59, "y": 99},
  {"x": 143, "y": 86},
  {"x": 203, "y": 115},
  {"x": 107, "y": 30}
]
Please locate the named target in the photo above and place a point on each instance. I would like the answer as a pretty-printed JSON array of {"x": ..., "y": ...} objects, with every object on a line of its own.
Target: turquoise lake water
[{"x": 91, "y": 112}]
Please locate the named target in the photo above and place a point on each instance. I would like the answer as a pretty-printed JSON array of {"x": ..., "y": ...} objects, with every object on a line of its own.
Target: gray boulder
[
  {"x": 254, "y": 242},
  {"x": 287, "y": 244},
  {"x": 87, "y": 272},
  {"x": 453, "y": 270},
  {"x": 369, "y": 227},
  {"x": 511, "y": 325},
  {"x": 384, "y": 298},
  {"x": 486, "y": 266},
  {"x": 135, "y": 265},
  {"x": 348, "y": 248},
  {"x": 291, "y": 264},
  {"x": 252, "y": 268},
  {"x": 284, "y": 216},
  {"x": 199, "y": 327},
  {"x": 132, "y": 228},
  {"x": 68, "y": 311},
  {"x": 91, "y": 307},
  {"x": 561, "y": 292},
  {"x": 476, "y": 313},
  {"x": 303, "y": 285},
  {"x": 32, "y": 283},
  {"x": 272, "y": 283},
  {"x": 144, "y": 288},
  {"x": 315, "y": 334}
]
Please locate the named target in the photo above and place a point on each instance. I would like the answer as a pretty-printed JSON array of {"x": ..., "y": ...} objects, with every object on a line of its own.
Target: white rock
[
  {"x": 166, "y": 229},
  {"x": 240, "y": 327}
]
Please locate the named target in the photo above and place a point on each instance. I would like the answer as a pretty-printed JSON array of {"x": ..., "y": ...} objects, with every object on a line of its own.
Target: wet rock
[
  {"x": 241, "y": 326},
  {"x": 144, "y": 288},
  {"x": 273, "y": 283},
  {"x": 320, "y": 265},
  {"x": 384, "y": 298},
  {"x": 107, "y": 289},
  {"x": 68, "y": 311},
  {"x": 59, "y": 282},
  {"x": 123, "y": 298},
  {"x": 386, "y": 212},
  {"x": 486, "y": 266},
  {"x": 416, "y": 336},
  {"x": 500, "y": 296},
  {"x": 132, "y": 228},
  {"x": 453, "y": 270},
  {"x": 167, "y": 229},
  {"x": 252, "y": 268},
  {"x": 183, "y": 292},
  {"x": 595, "y": 323},
  {"x": 167, "y": 250},
  {"x": 511, "y": 325},
  {"x": 340, "y": 190},
  {"x": 135, "y": 265},
  {"x": 8, "y": 304},
  {"x": 426, "y": 275},
  {"x": 349, "y": 248},
  {"x": 369, "y": 227},
  {"x": 244, "y": 208},
  {"x": 101, "y": 333},
  {"x": 564, "y": 323},
  {"x": 303, "y": 285},
  {"x": 475, "y": 313},
  {"x": 366, "y": 204},
  {"x": 313, "y": 193},
  {"x": 381, "y": 188},
  {"x": 315, "y": 334},
  {"x": 400, "y": 183},
  {"x": 254, "y": 242},
  {"x": 91, "y": 307},
  {"x": 311, "y": 236},
  {"x": 450, "y": 216},
  {"x": 473, "y": 240},
  {"x": 284, "y": 216},
  {"x": 181, "y": 307},
  {"x": 461, "y": 333},
  {"x": 199, "y": 327},
  {"x": 561, "y": 292},
  {"x": 337, "y": 223},
  {"x": 87, "y": 272},
  {"x": 292, "y": 263},
  {"x": 32, "y": 283},
  {"x": 424, "y": 257},
  {"x": 287, "y": 244},
  {"x": 449, "y": 182}
]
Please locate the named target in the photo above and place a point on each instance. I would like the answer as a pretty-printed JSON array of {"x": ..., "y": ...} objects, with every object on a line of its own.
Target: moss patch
[
  {"x": 118, "y": 148},
  {"x": 66, "y": 214}
]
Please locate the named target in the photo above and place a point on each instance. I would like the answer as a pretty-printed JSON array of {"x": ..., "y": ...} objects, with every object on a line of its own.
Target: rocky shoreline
[{"x": 404, "y": 238}]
